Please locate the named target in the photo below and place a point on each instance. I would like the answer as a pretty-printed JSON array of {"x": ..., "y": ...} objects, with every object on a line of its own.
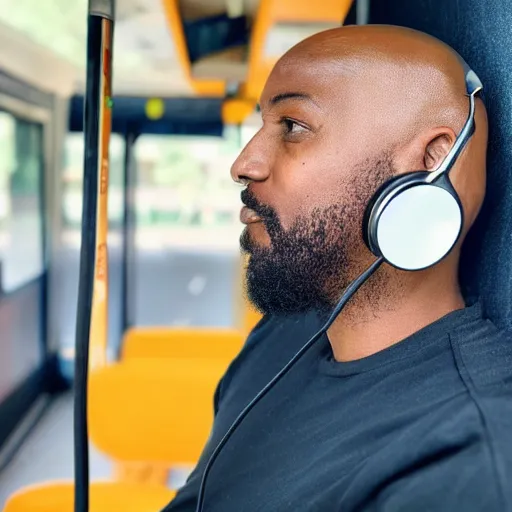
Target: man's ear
[
  {"x": 437, "y": 148},
  {"x": 426, "y": 151}
]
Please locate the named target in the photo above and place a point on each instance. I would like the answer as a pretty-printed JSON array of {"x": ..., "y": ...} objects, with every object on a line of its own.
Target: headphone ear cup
[
  {"x": 380, "y": 194},
  {"x": 412, "y": 223}
]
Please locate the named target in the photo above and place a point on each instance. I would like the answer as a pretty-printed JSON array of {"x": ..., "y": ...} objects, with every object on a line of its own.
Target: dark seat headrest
[{"x": 480, "y": 30}]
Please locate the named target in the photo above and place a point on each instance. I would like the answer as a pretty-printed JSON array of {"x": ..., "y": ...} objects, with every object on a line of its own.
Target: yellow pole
[{"x": 99, "y": 312}]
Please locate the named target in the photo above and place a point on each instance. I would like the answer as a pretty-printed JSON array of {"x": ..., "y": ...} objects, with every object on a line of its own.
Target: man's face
[{"x": 310, "y": 172}]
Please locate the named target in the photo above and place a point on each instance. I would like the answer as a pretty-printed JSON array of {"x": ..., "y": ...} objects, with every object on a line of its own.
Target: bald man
[{"x": 405, "y": 405}]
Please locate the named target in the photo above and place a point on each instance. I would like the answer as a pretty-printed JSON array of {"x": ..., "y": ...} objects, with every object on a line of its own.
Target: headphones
[{"x": 413, "y": 220}]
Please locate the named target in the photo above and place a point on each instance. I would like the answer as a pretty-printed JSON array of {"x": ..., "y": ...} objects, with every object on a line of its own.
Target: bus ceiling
[{"x": 166, "y": 48}]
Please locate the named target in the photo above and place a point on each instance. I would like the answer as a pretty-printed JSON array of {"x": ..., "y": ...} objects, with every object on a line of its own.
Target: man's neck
[{"x": 371, "y": 326}]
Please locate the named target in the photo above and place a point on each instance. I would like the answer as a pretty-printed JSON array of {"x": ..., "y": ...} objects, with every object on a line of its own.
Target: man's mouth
[{"x": 249, "y": 216}]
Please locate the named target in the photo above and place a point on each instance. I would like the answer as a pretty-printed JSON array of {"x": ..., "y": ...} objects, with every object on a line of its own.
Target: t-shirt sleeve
[{"x": 453, "y": 481}]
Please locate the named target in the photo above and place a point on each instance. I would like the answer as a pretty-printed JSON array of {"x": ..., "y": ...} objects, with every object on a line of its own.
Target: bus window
[
  {"x": 187, "y": 230},
  {"x": 72, "y": 179},
  {"x": 21, "y": 214}
]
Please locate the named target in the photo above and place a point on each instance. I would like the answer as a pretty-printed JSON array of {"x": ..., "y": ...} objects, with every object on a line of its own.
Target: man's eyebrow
[
  {"x": 278, "y": 98},
  {"x": 288, "y": 96}
]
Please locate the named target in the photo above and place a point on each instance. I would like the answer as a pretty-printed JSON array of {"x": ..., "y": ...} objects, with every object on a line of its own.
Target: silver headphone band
[{"x": 473, "y": 86}]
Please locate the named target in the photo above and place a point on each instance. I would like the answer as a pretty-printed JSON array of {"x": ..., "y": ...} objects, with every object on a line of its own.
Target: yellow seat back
[
  {"x": 153, "y": 411},
  {"x": 251, "y": 318},
  {"x": 199, "y": 343},
  {"x": 172, "y": 345}
]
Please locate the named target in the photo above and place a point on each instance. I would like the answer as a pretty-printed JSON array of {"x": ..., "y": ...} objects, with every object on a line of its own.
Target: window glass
[
  {"x": 248, "y": 131},
  {"x": 21, "y": 214},
  {"x": 72, "y": 186},
  {"x": 184, "y": 192},
  {"x": 187, "y": 209}
]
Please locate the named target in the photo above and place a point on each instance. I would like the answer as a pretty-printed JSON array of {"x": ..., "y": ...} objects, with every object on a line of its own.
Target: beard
[{"x": 308, "y": 265}]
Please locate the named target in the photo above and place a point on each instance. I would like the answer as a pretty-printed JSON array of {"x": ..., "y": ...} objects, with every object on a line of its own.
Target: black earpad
[{"x": 381, "y": 193}]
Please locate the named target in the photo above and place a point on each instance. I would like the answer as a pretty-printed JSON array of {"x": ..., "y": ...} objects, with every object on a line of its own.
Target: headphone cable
[{"x": 347, "y": 295}]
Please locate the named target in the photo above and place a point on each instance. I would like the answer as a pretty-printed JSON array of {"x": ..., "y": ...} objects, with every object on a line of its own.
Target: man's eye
[{"x": 291, "y": 127}]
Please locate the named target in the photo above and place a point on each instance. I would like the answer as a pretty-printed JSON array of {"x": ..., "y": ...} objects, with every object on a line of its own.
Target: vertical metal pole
[
  {"x": 92, "y": 291},
  {"x": 362, "y": 12}
]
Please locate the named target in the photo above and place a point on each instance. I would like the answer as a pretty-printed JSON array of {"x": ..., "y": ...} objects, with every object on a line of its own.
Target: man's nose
[{"x": 251, "y": 165}]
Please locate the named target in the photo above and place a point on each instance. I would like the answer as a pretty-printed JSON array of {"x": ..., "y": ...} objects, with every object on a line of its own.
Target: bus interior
[{"x": 187, "y": 76}]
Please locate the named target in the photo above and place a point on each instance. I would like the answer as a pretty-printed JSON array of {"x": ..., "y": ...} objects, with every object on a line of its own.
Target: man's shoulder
[
  {"x": 483, "y": 354},
  {"x": 483, "y": 357},
  {"x": 456, "y": 457}
]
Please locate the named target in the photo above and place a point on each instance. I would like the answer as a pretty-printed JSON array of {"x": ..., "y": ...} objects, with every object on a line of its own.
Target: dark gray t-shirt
[{"x": 425, "y": 425}]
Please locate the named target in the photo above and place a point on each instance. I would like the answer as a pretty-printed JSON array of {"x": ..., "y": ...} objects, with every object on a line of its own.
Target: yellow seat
[
  {"x": 250, "y": 319},
  {"x": 163, "y": 343},
  {"x": 158, "y": 411},
  {"x": 104, "y": 497},
  {"x": 196, "y": 342},
  {"x": 177, "y": 342},
  {"x": 151, "y": 411}
]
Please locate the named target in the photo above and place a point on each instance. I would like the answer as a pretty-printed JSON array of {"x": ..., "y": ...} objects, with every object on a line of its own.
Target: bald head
[
  {"x": 388, "y": 74},
  {"x": 344, "y": 111}
]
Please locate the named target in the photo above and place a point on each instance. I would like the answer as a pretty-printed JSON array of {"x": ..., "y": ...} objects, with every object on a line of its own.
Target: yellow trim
[
  {"x": 271, "y": 12},
  {"x": 268, "y": 14},
  {"x": 236, "y": 110},
  {"x": 175, "y": 24}
]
